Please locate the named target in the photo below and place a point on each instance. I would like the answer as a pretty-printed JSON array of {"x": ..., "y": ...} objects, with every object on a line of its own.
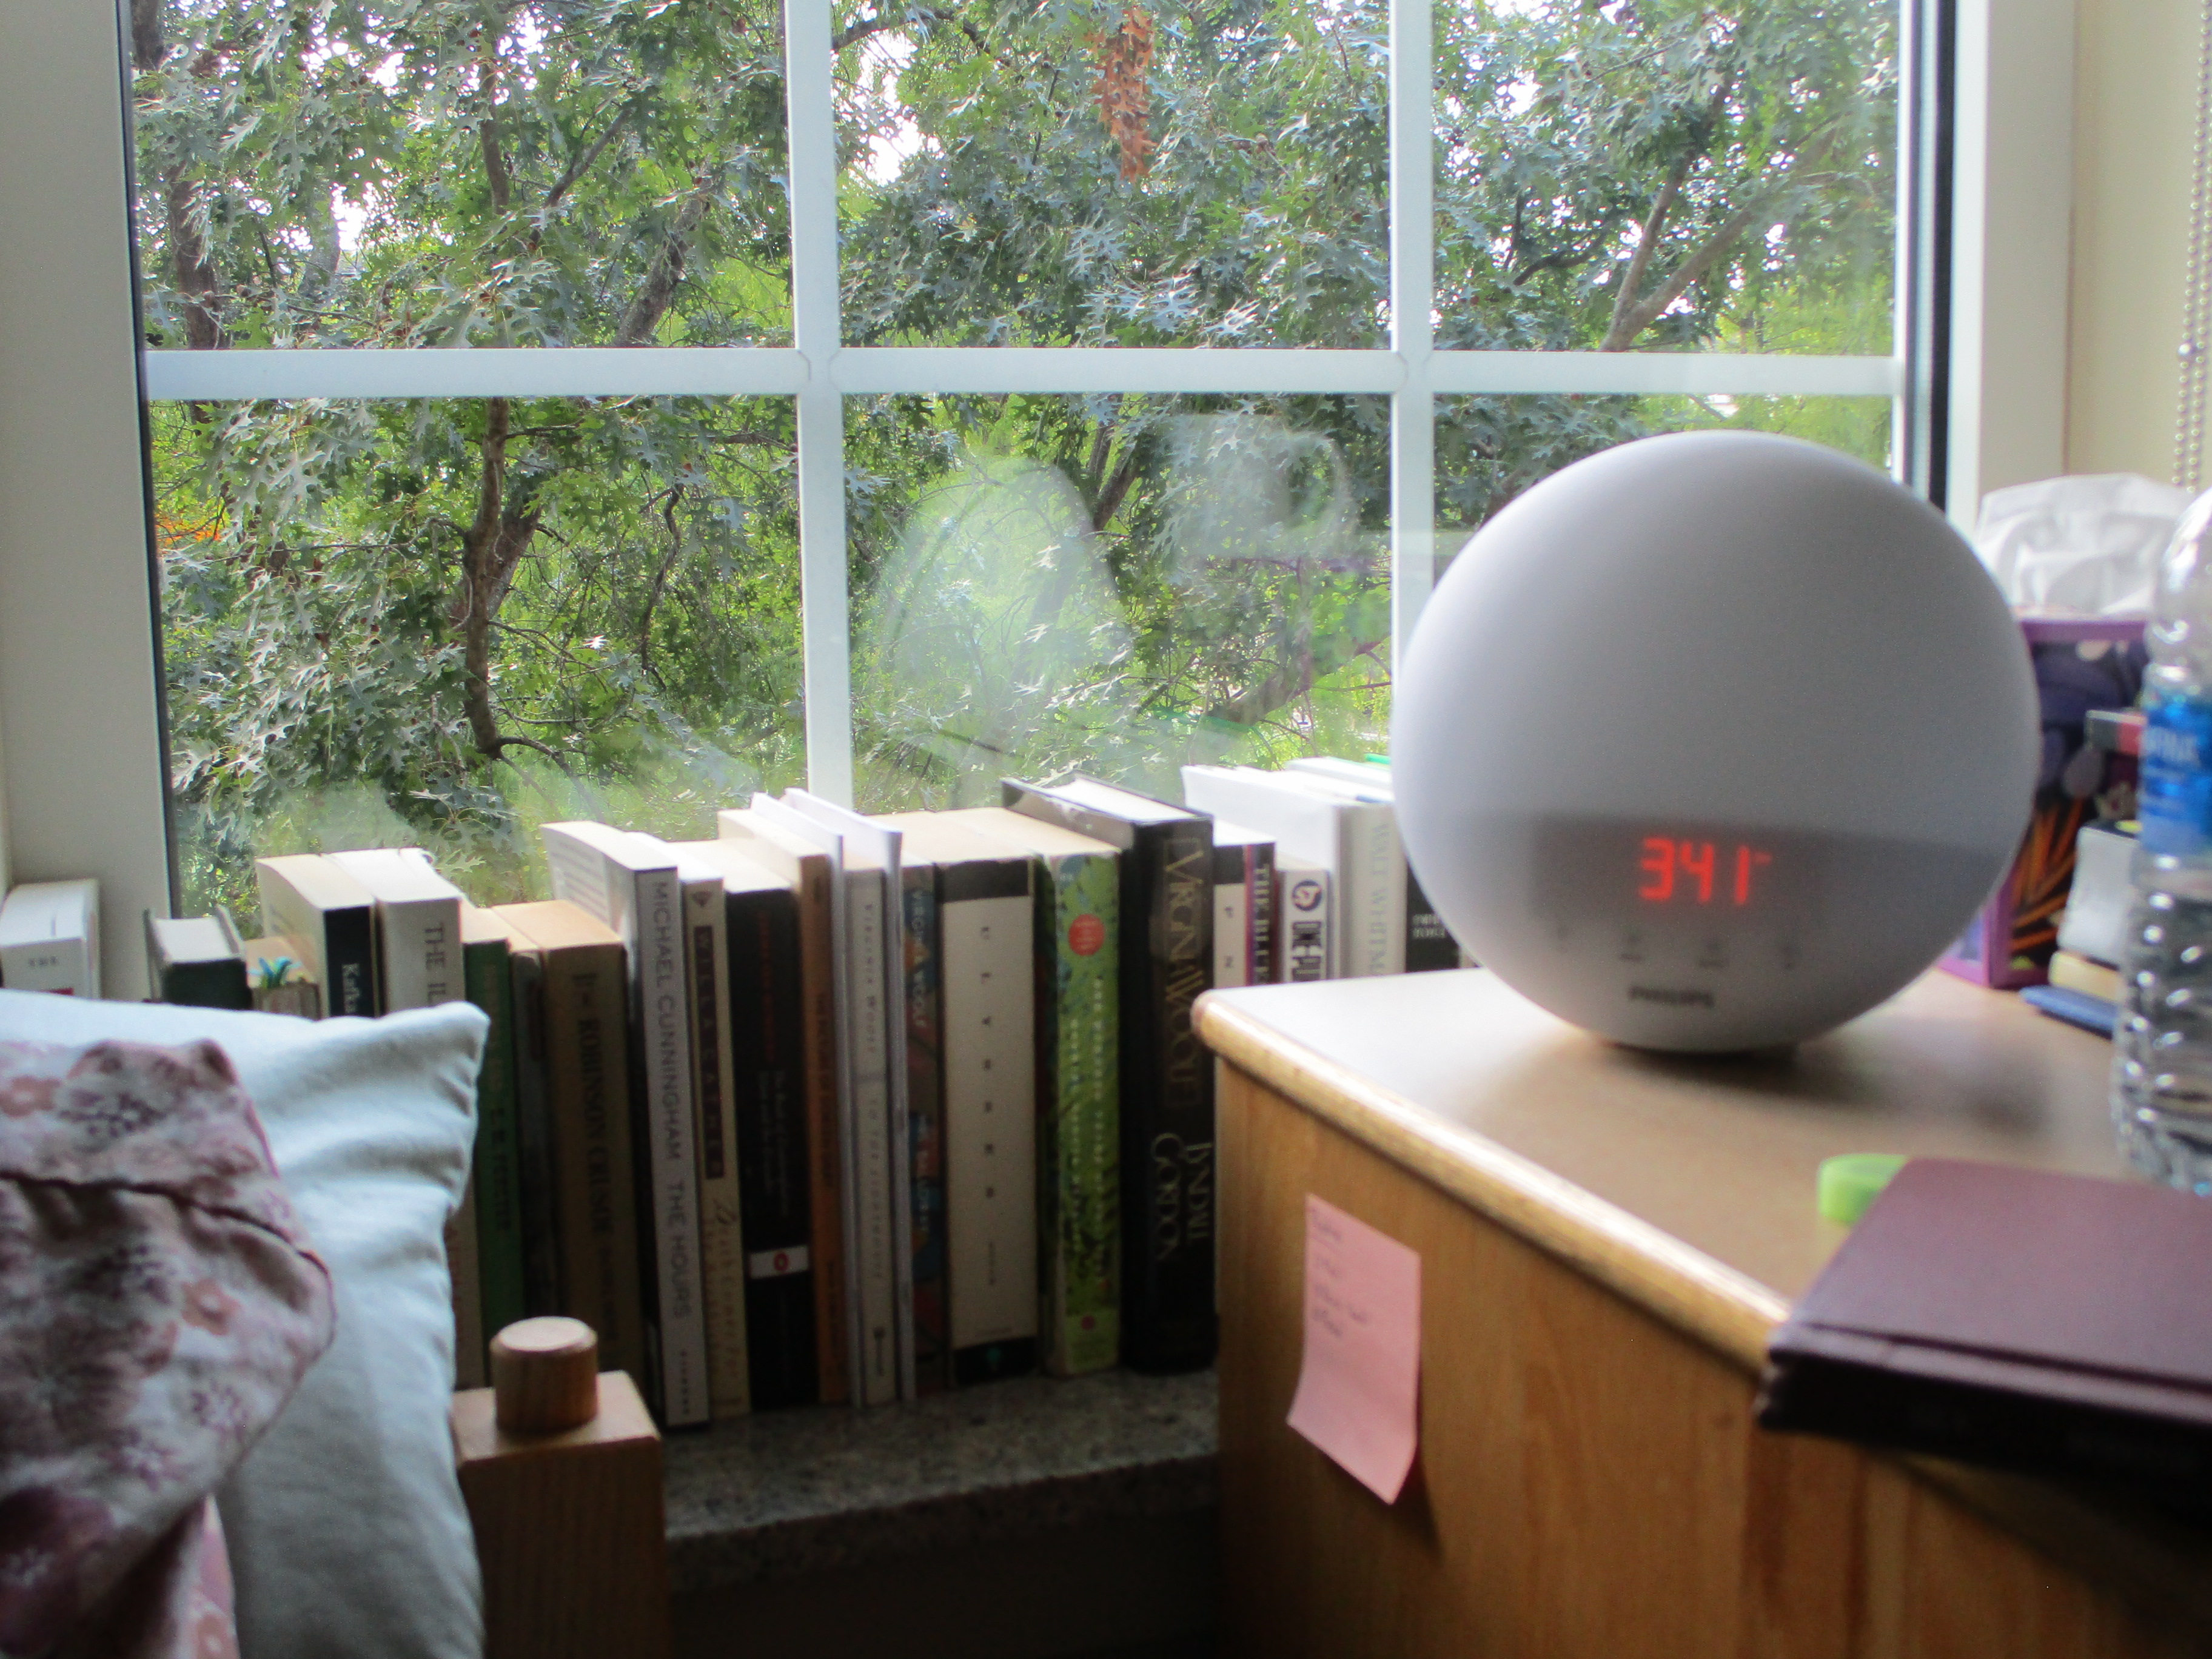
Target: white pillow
[{"x": 347, "y": 1532}]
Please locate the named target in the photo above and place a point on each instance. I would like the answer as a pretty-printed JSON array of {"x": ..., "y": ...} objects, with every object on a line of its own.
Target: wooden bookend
[{"x": 570, "y": 1525}]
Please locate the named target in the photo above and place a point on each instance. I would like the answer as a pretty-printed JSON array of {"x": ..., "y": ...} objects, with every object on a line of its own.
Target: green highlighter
[{"x": 1851, "y": 1181}]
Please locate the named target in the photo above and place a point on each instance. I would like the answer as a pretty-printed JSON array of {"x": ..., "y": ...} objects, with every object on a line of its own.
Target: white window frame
[{"x": 80, "y": 744}]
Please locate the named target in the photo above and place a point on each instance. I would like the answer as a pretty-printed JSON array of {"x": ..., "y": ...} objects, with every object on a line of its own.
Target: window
[{"x": 566, "y": 408}]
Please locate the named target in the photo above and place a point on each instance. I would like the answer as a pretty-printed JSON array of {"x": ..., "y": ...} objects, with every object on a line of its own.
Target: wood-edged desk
[{"x": 1606, "y": 1237}]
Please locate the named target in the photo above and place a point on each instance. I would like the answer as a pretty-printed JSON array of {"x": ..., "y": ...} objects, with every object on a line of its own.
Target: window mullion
[
  {"x": 824, "y": 602},
  {"x": 1412, "y": 303}
]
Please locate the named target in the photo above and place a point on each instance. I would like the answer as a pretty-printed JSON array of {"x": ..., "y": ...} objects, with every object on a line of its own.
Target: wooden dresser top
[{"x": 1687, "y": 1183}]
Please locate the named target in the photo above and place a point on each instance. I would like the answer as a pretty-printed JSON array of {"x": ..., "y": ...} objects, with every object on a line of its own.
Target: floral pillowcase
[{"x": 159, "y": 1303}]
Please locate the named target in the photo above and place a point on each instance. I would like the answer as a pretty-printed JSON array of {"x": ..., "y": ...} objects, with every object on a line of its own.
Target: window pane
[
  {"x": 1105, "y": 172},
  {"x": 437, "y": 173},
  {"x": 1489, "y": 449},
  {"x": 1666, "y": 176},
  {"x": 441, "y": 623},
  {"x": 1123, "y": 583}
]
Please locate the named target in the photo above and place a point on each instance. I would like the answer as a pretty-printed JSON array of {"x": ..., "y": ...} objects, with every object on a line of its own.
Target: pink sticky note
[{"x": 1358, "y": 1397}]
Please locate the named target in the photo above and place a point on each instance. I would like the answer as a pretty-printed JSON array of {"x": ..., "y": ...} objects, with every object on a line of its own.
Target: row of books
[{"x": 840, "y": 1108}]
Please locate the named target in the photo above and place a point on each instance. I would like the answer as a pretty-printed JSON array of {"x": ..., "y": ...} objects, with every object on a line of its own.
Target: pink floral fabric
[{"x": 159, "y": 1303}]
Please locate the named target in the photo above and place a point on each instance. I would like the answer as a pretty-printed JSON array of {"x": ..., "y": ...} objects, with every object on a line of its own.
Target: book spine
[
  {"x": 421, "y": 953},
  {"x": 1429, "y": 947},
  {"x": 825, "y": 1140},
  {"x": 721, "y": 1210},
  {"x": 676, "y": 1313},
  {"x": 1372, "y": 917},
  {"x": 533, "y": 1134},
  {"x": 349, "y": 974},
  {"x": 875, "y": 1340},
  {"x": 1078, "y": 957},
  {"x": 585, "y": 994},
  {"x": 496, "y": 1180},
  {"x": 931, "y": 1362},
  {"x": 988, "y": 937},
  {"x": 464, "y": 1265},
  {"x": 1167, "y": 1102},
  {"x": 767, "y": 1034},
  {"x": 1232, "y": 942},
  {"x": 1260, "y": 911},
  {"x": 1303, "y": 909}
]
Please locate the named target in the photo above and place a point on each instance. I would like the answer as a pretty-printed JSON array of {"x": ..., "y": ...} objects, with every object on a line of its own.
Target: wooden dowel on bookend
[
  {"x": 545, "y": 1375},
  {"x": 561, "y": 1467}
]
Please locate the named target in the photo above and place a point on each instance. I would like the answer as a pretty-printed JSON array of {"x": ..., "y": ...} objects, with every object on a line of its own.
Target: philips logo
[{"x": 1671, "y": 996}]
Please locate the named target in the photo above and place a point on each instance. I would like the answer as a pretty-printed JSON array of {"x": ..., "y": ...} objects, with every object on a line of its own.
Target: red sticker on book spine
[{"x": 1085, "y": 934}]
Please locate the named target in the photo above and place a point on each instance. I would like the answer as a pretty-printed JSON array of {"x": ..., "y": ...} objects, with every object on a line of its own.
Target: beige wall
[
  {"x": 2134, "y": 97},
  {"x": 83, "y": 744}
]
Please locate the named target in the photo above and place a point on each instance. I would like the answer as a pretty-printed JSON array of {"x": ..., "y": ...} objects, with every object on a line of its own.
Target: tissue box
[{"x": 2082, "y": 665}]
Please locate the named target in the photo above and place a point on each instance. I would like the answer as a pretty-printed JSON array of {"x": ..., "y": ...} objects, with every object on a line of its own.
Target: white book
[
  {"x": 987, "y": 989},
  {"x": 882, "y": 1158},
  {"x": 50, "y": 938},
  {"x": 1303, "y": 908},
  {"x": 715, "y": 1087},
  {"x": 620, "y": 880},
  {"x": 418, "y": 925}
]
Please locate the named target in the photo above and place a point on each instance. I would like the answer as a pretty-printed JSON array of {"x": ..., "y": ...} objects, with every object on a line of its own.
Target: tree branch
[
  {"x": 658, "y": 292},
  {"x": 668, "y": 504},
  {"x": 1624, "y": 305},
  {"x": 497, "y": 178}
]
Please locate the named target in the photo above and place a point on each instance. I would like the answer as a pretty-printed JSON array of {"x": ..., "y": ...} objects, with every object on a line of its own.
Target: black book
[
  {"x": 767, "y": 1032},
  {"x": 1167, "y": 1079},
  {"x": 1430, "y": 945},
  {"x": 198, "y": 961}
]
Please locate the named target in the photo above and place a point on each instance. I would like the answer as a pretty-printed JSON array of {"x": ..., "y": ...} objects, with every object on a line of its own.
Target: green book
[
  {"x": 488, "y": 977},
  {"x": 1079, "y": 1087}
]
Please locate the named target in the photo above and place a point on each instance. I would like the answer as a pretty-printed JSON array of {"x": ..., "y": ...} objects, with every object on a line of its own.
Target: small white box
[
  {"x": 2095, "y": 924},
  {"x": 50, "y": 938}
]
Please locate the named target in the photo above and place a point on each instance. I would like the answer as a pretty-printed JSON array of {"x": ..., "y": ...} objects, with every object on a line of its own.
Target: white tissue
[{"x": 2086, "y": 546}]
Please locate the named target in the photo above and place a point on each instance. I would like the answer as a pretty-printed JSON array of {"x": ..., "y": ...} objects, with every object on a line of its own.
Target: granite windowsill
[{"x": 796, "y": 1492}]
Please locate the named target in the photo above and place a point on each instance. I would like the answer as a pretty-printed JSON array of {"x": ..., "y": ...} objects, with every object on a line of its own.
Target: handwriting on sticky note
[{"x": 1359, "y": 1386}]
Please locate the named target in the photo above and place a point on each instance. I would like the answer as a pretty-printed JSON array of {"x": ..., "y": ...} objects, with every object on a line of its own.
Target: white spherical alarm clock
[{"x": 1713, "y": 741}]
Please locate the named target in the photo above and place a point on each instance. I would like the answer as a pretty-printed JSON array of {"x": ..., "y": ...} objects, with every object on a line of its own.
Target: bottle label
[{"x": 2177, "y": 776}]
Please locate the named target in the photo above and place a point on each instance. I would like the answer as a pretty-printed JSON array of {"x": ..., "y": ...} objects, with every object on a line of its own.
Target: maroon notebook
[{"x": 2047, "y": 1323}]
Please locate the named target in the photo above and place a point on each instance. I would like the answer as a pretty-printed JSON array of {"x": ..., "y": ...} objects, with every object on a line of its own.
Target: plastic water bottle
[{"x": 2162, "y": 1043}]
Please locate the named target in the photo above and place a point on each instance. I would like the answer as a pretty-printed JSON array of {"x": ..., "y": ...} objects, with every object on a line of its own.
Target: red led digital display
[{"x": 1699, "y": 871}]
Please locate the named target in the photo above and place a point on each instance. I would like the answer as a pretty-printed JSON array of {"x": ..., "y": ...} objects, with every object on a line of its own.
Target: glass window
[
  {"x": 443, "y": 622},
  {"x": 447, "y": 173},
  {"x": 1654, "y": 176},
  {"x": 1119, "y": 549},
  {"x": 1124, "y": 583}
]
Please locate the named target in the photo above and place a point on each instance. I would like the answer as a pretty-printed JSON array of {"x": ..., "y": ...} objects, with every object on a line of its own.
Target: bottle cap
[{"x": 1851, "y": 1181}]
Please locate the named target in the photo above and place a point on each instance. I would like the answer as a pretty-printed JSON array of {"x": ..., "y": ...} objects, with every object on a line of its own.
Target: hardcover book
[
  {"x": 496, "y": 1173},
  {"x": 1076, "y": 972},
  {"x": 198, "y": 961},
  {"x": 820, "y": 953},
  {"x": 1430, "y": 945},
  {"x": 1351, "y": 831},
  {"x": 1243, "y": 906},
  {"x": 1167, "y": 1079},
  {"x": 576, "y": 1040},
  {"x": 767, "y": 1037},
  {"x": 984, "y": 918},
  {"x": 418, "y": 926},
  {"x": 634, "y": 889},
  {"x": 2013, "y": 1317},
  {"x": 330, "y": 918}
]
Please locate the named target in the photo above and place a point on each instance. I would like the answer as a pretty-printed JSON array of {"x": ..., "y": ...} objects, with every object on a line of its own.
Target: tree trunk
[{"x": 492, "y": 547}]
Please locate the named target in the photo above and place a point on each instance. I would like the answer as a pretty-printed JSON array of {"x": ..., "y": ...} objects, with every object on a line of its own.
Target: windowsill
[{"x": 788, "y": 1492}]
